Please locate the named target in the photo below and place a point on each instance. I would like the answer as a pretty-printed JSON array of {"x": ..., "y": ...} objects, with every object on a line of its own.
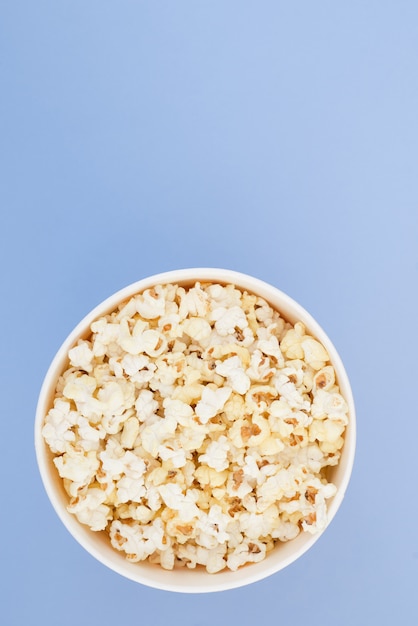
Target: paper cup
[{"x": 184, "y": 579}]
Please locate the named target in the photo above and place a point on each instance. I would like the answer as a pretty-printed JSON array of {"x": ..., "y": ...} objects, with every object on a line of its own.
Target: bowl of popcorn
[{"x": 196, "y": 431}]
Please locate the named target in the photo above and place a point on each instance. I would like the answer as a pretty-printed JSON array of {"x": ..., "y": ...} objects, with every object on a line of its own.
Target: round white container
[{"x": 184, "y": 579}]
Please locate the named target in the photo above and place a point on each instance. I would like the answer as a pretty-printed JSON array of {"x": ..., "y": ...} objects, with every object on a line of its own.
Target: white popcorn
[
  {"x": 90, "y": 509},
  {"x": 154, "y": 434},
  {"x": 153, "y": 498},
  {"x": 89, "y": 436},
  {"x": 285, "y": 530},
  {"x": 192, "y": 438},
  {"x": 269, "y": 345},
  {"x": 132, "y": 343},
  {"x": 130, "y": 489},
  {"x": 326, "y": 430},
  {"x": 251, "y": 552},
  {"x": 176, "y": 456},
  {"x": 175, "y": 499},
  {"x": 216, "y": 455},
  {"x": 291, "y": 344},
  {"x": 81, "y": 356},
  {"x": 153, "y": 342},
  {"x": 115, "y": 367},
  {"x": 78, "y": 467},
  {"x": 125, "y": 309},
  {"x": 311, "y": 457},
  {"x": 116, "y": 396},
  {"x": 330, "y": 405},
  {"x": 105, "y": 334},
  {"x": 138, "y": 542},
  {"x": 212, "y": 402},
  {"x": 255, "y": 525},
  {"x": 209, "y": 476},
  {"x": 151, "y": 303},
  {"x": 250, "y": 467},
  {"x": 79, "y": 388},
  {"x": 178, "y": 410},
  {"x": 324, "y": 378},
  {"x": 223, "y": 296},
  {"x": 142, "y": 340},
  {"x": 282, "y": 484},
  {"x": 195, "y": 425},
  {"x": 260, "y": 369},
  {"x": 315, "y": 354},
  {"x": 145, "y": 405},
  {"x": 139, "y": 513},
  {"x": 132, "y": 363},
  {"x": 227, "y": 320},
  {"x": 213, "y": 525},
  {"x": 59, "y": 422},
  {"x": 264, "y": 312},
  {"x": 193, "y": 302},
  {"x": 238, "y": 485},
  {"x": 112, "y": 460},
  {"x": 130, "y": 432},
  {"x": 170, "y": 325},
  {"x": 215, "y": 561},
  {"x": 165, "y": 376},
  {"x": 233, "y": 371},
  {"x": 290, "y": 392},
  {"x": 197, "y": 328}
]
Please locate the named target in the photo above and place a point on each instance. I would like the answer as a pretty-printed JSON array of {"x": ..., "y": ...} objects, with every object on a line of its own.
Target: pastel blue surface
[{"x": 277, "y": 139}]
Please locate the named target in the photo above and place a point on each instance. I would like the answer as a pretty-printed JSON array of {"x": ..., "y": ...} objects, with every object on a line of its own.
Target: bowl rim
[{"x": 226, "y": 579}]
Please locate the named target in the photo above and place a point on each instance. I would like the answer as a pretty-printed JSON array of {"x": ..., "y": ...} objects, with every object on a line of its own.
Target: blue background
[{"x": 275, "y": 138}]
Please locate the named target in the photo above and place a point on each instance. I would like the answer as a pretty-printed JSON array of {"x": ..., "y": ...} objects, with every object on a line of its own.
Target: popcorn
[
  {"x": 325, "y": 378},
  {"x": 209, "y": 476},
  {"x": 137, "y": 541},
  {"x": 176, "y": 456},
  {"x": 104, "y": 335},
  {"x": 195, "y": 425},
  {"x": 78, "y": 467},
  {"x": 212, "y": 402},
  {"x": 288, "y": 390},
  {"x": 89, "y": 436},
  {"x": 132, "y": 363},
  {"x": 145, "y": 405},
  {"x": 216, "y": 455},
  {"x": 81, "y": 356},
  {"x": 91, "y": 510},
  {"x": 251, "y": 552},
  {"x": 153, "y": 435},
  {"x": 228, "y": 320},
  {"x": 197, "y": 328},
  {"x": 330, "y": 405},
  {"x": 151, "y": 304},
  {"x": 291, "y": 344},
  {"x": 314, "y": 353},
  {"x": 193, "y": 302},
  {"x": 79, "y": 388},
  {"x": 213, "y": 525},
  {"x": 58, "y": 427},
  {"x": 129, "y": 489},
  {"x": 261, "y": 369},
  {"x": 269, "y": 345},
  {"x": 130, "y": 432},
  {"x": 232, "y": 369},
  {"x": 175, "y": 499}
]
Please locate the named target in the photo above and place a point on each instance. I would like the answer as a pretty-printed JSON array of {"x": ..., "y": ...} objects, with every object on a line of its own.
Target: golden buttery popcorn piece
[{"x": 195, "y": 425}]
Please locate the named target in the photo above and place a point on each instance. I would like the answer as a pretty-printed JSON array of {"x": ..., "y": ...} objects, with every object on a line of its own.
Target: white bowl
[{"x": 184, "y": 579}]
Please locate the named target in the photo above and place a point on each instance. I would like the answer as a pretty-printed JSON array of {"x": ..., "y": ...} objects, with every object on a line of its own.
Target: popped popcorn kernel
[{"x": 195, "y": 426}]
